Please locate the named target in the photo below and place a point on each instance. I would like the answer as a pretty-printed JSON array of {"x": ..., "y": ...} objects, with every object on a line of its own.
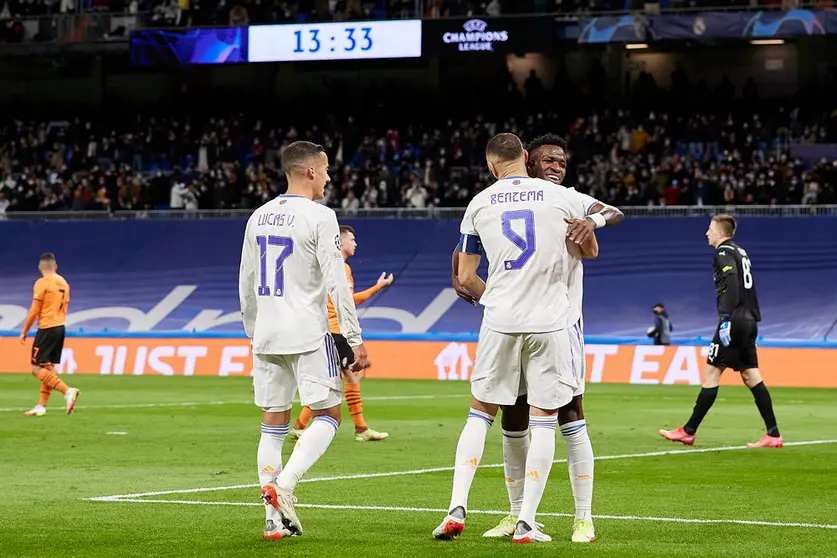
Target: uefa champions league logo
[
  {"x": 476, "y": 36},
  {"x": 475, "y": 26}
]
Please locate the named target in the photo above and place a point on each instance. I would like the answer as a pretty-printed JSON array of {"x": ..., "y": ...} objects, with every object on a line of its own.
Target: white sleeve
[
  {"x": 588, "y": 202},
  {"x": 580, "y": 204},
  {"x": 330, "y": 256},
  {"x": 246, "y": 286}
]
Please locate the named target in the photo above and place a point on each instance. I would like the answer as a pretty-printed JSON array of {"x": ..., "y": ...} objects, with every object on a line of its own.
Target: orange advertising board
[{"x": 425, "y": 360}]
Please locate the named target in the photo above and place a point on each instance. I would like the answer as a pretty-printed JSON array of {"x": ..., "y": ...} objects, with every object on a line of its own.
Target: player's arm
[
  {"x": 383, "y": 281},
  {"x": 590, "y": 247},
  {"x": 330, "y": 258},
  {"x": 594, "y": 215},
  {"x": 470, "y": 249},
  {"x": 612, "y": 215},
  {"x": 247, "y": 284},
  {"x": 727, "y": 286},
  {"x": 461, "y": 291},
  {"x": 34, "y": 310},
  {"x": 469, "y": 262}
]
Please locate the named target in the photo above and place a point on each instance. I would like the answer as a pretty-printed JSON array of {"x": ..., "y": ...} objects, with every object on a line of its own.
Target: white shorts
[
  {"x": 579, "y": 359},
  {"x": 508, "y": 365},
  {"x": 315, "y": 374}
]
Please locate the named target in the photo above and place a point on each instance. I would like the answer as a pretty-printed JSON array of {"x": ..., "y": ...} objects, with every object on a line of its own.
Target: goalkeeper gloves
[{"x": 724, "y": 331}]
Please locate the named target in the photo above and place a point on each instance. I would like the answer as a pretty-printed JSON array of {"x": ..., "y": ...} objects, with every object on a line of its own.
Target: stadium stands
[{"x": 749, "y": 152}]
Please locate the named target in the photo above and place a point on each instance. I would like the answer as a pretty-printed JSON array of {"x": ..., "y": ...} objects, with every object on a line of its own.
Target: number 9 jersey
[{"x": 519, "y": 223}]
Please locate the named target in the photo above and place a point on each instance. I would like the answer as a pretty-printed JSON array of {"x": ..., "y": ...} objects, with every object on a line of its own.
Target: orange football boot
[
  {"x": 768, "y": 441},
  {"x": 679, "y": 435}
]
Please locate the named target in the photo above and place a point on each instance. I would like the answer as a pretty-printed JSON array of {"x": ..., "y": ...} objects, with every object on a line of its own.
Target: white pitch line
[
  {"x": 494, "y": 512},
  {"x": 247, "y": 402},
  {"x": 444, "y": 469}
]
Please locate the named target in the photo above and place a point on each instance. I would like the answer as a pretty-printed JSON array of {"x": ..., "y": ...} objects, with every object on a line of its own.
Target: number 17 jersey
[
  {"x": 291, "y": 262},
  {"x": 518, "y": 222}
]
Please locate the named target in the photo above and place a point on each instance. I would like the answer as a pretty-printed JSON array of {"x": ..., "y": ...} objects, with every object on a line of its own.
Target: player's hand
[
  {"x": 462, "y": 292},
  {"x": 360, "y": 358},
  {"x": 23, "y": 338},
  {"x": 385, "y": 280},
  {"x": 350, "y": 375},
  {"x": 723, "y": 333},
  {"x": 579, "y": 230}
]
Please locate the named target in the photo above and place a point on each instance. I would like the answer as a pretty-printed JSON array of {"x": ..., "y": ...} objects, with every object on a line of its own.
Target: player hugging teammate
[{"x": 530, "y": 354}]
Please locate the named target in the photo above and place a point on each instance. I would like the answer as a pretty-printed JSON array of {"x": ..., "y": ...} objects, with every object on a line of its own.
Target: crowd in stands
[
  {"x": 724, "y": 151},
  {"x": 245, "y": 12}
]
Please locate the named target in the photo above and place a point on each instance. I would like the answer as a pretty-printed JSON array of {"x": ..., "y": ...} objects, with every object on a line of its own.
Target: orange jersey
[
  {"x": 49, "y": 303},
  {"x": 359, "y": 298}
]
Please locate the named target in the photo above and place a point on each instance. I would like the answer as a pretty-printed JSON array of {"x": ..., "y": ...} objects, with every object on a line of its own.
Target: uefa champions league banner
[
  {"x": 749, "y": 25},
  {"x": 445, "y": 360},
  {"x": 639, "y": 28}
]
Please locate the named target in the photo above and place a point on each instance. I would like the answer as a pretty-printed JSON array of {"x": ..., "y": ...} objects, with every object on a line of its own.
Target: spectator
[
  {"x": 350, "y": 202},
  {"x": 4, "y": 205},
  {"x": 178, "y": 195},
  {"x": 662, "y": 328},
  {"x": 416, "y": 195}
]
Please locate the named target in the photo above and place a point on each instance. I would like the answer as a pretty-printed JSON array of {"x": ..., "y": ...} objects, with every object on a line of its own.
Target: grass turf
[{"x": 49, "y": 464}]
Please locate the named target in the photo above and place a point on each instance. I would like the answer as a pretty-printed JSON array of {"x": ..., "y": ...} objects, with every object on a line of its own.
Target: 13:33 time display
[
  {"x": 335, "y": 41},
  {"x": 313, "y": 42}
]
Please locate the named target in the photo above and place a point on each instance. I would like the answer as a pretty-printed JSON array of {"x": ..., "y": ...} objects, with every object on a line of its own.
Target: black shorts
[
  {"x": 741, "y": 352},
  {"x": 48, "y": 345},
  {"x": 344, "y": 351}
]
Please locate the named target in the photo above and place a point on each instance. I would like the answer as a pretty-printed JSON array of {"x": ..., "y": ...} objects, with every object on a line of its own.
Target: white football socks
[
  {"x": 580, "y": 464},
  {"x": 515, "y": 449},
  {"x": 538, "y": 464},
  {"x": 468, "y": 455},
  {"x": 269, "y": 458},
  {"x": 309, "y": 448}
]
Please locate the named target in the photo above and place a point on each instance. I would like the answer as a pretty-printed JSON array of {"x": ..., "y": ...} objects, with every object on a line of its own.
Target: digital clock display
[{"x": 335, "y": 41}]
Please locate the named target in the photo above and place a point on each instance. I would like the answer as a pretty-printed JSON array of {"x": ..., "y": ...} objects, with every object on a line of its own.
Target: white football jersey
[
  {"x": 575, "y": 279},
  {"x": 291, "y": 262},
  {"x": 519, "y": 221}
]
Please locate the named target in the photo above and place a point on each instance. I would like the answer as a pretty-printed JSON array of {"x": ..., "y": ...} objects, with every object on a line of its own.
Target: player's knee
[
  {"x": 751, "y": 377},
  {"x": 487, "y": 408},
  {"x": 571, "y": 412},
  {"x": 333, "y": 412},
  {"x": 711, "y": 377},
  {"x": 516, "y": 417}
]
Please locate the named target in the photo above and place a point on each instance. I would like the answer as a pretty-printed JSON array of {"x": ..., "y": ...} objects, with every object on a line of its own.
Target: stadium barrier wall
[{"x": 428, "y": 357}]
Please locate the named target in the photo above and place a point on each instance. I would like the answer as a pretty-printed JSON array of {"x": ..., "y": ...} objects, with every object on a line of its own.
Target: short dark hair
[
  {"x": 546, "y": 139},
  {"x": 297, "y": 156},
  {"x": 727, "y": 223},
  {"x": 48, "y": 257},
  {"x": 347, "y": 229},
  {"x": 504, "y": 147}
]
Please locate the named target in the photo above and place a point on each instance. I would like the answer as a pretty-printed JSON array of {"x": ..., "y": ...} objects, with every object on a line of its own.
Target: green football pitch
[{"x": 165, "y": 466}]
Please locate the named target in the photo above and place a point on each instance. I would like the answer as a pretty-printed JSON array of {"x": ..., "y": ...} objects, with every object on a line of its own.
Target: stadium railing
[
  {"x": 423, "y": 213},
  {"x": 448, "y": 337}
]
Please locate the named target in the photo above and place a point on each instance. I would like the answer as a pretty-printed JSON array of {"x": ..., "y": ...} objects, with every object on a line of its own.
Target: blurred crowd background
[
  {"x": 14, "y": 14},
  {"x": 694, "y": 144}
]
